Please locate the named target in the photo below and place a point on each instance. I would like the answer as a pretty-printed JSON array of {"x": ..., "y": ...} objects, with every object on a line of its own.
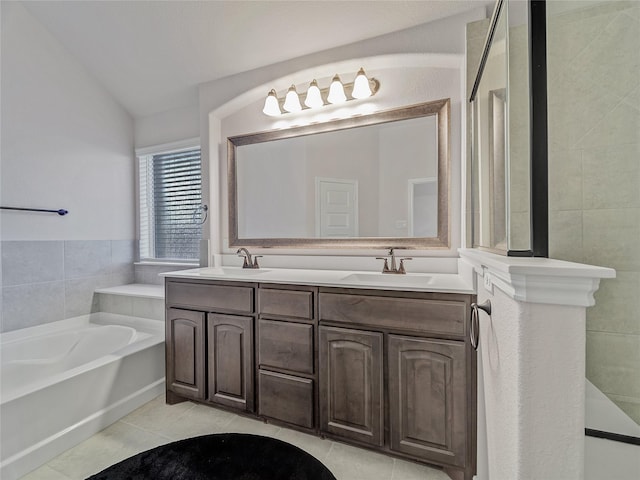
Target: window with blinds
[{"x": 170, "y": 205}]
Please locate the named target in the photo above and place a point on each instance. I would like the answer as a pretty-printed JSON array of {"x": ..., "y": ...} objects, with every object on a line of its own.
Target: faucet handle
[
  {"x": 401, "y": 267},
  {"x": 255, "y": 261},
  {"x": 385, "y": 268}
]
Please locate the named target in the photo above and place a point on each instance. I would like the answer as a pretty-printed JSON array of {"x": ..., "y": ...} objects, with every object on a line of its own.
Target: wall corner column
[{"x": 531, "y": 365}]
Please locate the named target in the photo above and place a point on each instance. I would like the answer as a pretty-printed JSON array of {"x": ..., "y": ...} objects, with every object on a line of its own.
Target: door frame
[{"x": 412, "y": 184}]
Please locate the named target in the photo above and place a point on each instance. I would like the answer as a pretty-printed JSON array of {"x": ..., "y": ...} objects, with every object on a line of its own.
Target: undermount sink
[
  {"x": 388, "y": 278},
  {"x": 232, "y": 271}
]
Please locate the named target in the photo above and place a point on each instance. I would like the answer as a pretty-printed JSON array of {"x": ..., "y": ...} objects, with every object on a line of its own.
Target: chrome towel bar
[{"x": 474, "y": 327}]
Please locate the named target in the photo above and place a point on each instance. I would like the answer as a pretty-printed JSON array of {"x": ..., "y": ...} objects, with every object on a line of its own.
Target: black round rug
[{"x": 226, "y": 456}]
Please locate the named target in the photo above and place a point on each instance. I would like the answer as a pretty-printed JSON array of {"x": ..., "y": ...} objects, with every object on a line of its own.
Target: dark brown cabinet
[
  {"x": 185, "y": 347},
  {"x": 209, "y": 353},
  {"x": 287, "y": 375},
  {"x": 427, "y": 399},
  {"x": 403, "y": 358},
  {"x": 230, "y": 360},
  {"x": 389, "y": 370},
  {"x": 351, "y": 384}
]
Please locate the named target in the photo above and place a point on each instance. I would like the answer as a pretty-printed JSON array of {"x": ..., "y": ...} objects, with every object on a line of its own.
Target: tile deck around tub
[{"x": 157, "y": 423}]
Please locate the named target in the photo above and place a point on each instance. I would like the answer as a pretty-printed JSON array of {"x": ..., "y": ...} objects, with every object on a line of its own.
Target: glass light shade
[
  {"x": 271, "y": 106},
  {"x": 292, "y": 100},
  {"x": 336, "y": 91},
  {"x": 361, "y": 88},
  {"x": 314, "y": 98}
]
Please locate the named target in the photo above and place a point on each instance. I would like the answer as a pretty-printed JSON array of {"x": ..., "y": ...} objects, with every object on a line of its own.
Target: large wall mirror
[{"x": 375, "y": 181}]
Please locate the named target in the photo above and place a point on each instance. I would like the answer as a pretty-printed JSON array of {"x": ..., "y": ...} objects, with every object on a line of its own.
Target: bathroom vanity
[{"x": 379, "y": 362}]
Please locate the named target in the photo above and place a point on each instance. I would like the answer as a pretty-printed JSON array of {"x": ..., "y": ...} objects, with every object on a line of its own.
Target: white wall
[
  {"x": 409, "y": 152},
  {"x": 166, "y": 127},
  {"x": 66, "y": 143}
]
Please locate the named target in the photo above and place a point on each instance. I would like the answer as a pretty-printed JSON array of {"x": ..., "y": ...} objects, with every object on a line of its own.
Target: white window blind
[{"x": 170, "y": 205}]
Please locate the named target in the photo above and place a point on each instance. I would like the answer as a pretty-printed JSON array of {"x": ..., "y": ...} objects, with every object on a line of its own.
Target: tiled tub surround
[
  {"x": 135, "y": 299},
  {"x": 46, "y": 281},
  {"x": 594, "y": 177},
  {"x": 149, "y": 273}
]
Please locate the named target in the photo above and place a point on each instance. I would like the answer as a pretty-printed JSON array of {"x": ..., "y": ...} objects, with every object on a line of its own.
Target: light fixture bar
[{"x": 316, "y": 97}]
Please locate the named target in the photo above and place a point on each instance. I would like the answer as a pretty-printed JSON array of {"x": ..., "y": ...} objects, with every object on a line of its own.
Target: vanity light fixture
[
  {"x": 292, "y": 100},
  {"x": 271, "y": 105},
  {"x": 361, "y": 88},
  {"x": 315, "y": 97},
  {"x": 336, "y": 91}
]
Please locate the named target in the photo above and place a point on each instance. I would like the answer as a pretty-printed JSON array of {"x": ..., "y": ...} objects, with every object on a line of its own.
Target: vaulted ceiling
[{"x": 151, "y": 55}]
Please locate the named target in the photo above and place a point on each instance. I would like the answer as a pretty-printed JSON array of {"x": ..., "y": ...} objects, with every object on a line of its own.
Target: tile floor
[{"x": 156, "y": 423}]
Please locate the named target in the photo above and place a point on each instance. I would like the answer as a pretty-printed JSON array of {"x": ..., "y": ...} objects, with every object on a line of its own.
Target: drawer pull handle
[{"x": 474, "y": 329}]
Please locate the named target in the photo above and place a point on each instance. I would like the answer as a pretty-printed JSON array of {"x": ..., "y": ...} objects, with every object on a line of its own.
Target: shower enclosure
[
  {"x": 593, "y": 75},
  {"x": 582, "y": 58}
]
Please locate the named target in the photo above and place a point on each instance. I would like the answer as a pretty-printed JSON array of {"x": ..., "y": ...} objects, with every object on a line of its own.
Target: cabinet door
[
  {"x": 427, "y": 399},
  {"x": 185, "y": 353},
  {"x": 351, "y": 389},
  {"x": 230, "y": 360}
]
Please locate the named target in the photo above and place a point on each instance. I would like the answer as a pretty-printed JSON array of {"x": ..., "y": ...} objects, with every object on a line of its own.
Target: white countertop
[{"x": 417, "y": 282}]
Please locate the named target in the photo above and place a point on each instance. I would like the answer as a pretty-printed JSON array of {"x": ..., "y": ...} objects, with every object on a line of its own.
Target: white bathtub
[{"x": 64, "y": 381}]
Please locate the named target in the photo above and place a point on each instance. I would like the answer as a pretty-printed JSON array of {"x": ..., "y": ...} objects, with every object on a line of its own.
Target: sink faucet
[
  {"x": 393, "y": 269},
  {"x": 248, "y": 262}
]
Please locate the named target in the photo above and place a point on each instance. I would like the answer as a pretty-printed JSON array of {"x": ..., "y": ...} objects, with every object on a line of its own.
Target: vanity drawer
[
  {"x": 201, "y": 296},
  {"x": 286, "y": 398},
  {"x": 288, "y": 303},
  {"x": 285, "y": 345},
  {"x": 445, "y": 317}
]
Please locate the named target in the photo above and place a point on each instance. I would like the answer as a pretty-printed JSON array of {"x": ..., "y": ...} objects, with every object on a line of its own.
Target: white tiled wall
[
  {"x": 45, "y": 281},
  {"x": 594, "y": 176},
  {"x": 152, "y": 308}
]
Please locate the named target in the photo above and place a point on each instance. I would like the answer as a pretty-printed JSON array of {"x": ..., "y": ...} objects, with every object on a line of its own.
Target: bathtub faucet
[{"x": 248, "y": 262}]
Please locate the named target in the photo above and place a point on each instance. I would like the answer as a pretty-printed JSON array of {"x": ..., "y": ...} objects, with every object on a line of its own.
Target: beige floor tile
[
  {"x": 113, "y": 444},
  {"x": 351, "y": 463},
  {"x": 316, "y": 446},
  {"x": 45, "y": 473},
  {"x": 403, "y": 470},
  {"x": 248, "y": 425},
  {"x": 156, "y": 423},
  {"x": 156, "y": 414},
  {"x": 199, "y": 420}
]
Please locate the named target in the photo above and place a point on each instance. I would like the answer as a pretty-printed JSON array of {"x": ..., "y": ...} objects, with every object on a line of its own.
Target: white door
[{"x": 336, "y": 207}]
